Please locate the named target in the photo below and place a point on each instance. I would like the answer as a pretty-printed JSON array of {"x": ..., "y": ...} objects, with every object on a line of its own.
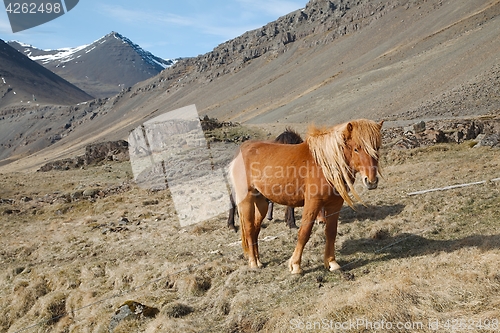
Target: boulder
[
  {"x": 131, "y": 310},
  {"x": 110, "y": 150},
  {"x": 490, "y": 140},
  {"x": 94, "y": 153}
]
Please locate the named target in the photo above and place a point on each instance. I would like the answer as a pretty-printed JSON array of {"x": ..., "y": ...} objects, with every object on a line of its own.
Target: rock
[
  {"x": 150, "y": 202},
  {"x": 474, "y": 130},
  {"x": 11, "y": 211},
  {"x": 490, "y": 140},
  {"x": 408, "y": 130},
  {"x": 94, "y": 153},
  {"x": 443, "y": 131},
  {"x": 63, "y": 198},
  {"x": 6, "y": 201},
  {"x": 55, "y": 137},
  {"x": 76, "y": 195},
  {"x": 457, "y": 136},
  {"x": 348, "y": 276},
  {"x": 64, "y": 164},
  {"x": 419, "y": 127},
  {"x": 110, "y": 150},
  {"x": 408, "y": 142},
  {"x": 124, "y": 312},
  {"x": 18, "y": 270},
  {"x": 91, "y": 192},
  {"x": 131, "y": 310},
  {"x": 478, "y": 139},
  {"x": 439, "y": 137},
  {"x": 415, "y": 128}
]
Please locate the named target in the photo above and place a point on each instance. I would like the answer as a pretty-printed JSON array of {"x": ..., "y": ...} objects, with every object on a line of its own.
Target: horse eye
[{"x": 356, "y": 150}]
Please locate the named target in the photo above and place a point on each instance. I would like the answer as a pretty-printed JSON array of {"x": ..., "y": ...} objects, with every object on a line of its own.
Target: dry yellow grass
[{"x": 67, "y": 264}]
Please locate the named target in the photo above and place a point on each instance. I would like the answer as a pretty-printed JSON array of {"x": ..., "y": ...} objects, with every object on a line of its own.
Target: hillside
[
  {"x": 102, "y": 68},
  {"x": 329, "y": 62},
  {"x": 25, "y": 83}
]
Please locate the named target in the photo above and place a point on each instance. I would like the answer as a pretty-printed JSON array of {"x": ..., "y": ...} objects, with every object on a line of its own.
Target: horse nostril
[
  {"x": 370, "y": 184},
  {"x": 367, "y": 180}
]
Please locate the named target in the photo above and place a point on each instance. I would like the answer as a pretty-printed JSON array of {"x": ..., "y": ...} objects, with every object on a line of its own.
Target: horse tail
[{"x": 238, "y": 180}]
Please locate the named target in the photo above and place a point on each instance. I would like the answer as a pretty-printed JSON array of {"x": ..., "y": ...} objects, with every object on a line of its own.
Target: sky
[{"x": 168, "y": 29}]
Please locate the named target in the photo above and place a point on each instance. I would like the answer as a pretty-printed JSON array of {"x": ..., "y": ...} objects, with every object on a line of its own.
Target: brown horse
[
  {"x": 289, "y": 137},
  {"x": 317, "y": 173}
]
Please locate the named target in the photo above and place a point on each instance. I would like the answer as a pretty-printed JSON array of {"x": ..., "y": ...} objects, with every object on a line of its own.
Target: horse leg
[
  {"x": 290, "y": 217},
  {"x": 232, "y": 211},
  {"x": 332, "y": 213},
  {"x": 270, "y": 210},
  {"x": 308, "y": 216},
  {"x": 245, "y": 213},
  {"x": 250, "y": 221},
  {"x": 261, "y": 209}
]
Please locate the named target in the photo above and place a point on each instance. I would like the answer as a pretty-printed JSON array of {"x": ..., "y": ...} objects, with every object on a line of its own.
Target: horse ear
[
  {"x": 381, "y": 123},
  {"x": 348, "y": 131}
]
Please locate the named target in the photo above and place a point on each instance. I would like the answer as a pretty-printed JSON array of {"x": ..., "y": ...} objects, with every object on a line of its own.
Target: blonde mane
[{"x": 327, "y": 147}]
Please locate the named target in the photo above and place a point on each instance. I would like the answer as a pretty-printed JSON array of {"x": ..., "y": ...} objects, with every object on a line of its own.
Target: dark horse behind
[{"x": 289, "y": 136}]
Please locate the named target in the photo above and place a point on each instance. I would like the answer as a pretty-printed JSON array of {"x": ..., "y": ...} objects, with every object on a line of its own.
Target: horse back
[{"x": 282, "y": 173}]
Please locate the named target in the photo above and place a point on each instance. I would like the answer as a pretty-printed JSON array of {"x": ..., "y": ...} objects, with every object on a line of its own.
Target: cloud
[
  {"x": 217, "y": 21},
  {"x": 137, "y": 16},
  {"x": 206, "y": 23},
  {"x": 4, "y": 24}
]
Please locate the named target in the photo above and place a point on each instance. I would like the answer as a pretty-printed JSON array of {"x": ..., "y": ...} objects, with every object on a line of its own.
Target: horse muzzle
[{"x": 370, "y": 185}]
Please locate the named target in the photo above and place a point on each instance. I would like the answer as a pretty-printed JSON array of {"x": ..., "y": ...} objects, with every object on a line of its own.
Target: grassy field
[{"x": 76, "y": 245}]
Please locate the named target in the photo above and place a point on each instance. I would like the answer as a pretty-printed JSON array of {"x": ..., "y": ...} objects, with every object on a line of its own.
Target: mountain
[
  {"x": 102, "y": 68},
  {"x": 398, "y": 60},
  {"x": 24, "y": 82}
]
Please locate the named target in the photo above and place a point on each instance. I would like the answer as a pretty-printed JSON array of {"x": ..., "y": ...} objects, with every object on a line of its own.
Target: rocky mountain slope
[
  {"x": 398, "y": 60},
  {"x": 23, "y": 82},
  {"x": 102, "y": 68}
]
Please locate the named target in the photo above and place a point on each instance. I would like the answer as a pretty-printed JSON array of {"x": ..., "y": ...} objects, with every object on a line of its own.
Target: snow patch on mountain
[
  {"x": 65, "y": 55},
  {"x": 45, "y": 56},
  {"x": 147, "y": 56}
]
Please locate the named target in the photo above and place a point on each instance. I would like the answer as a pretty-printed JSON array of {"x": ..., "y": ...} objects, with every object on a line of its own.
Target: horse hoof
[
  {"x": 333, "y": 266},
  {"x": 255, "y": 265},
  {"x": 295, "y": 269}
]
